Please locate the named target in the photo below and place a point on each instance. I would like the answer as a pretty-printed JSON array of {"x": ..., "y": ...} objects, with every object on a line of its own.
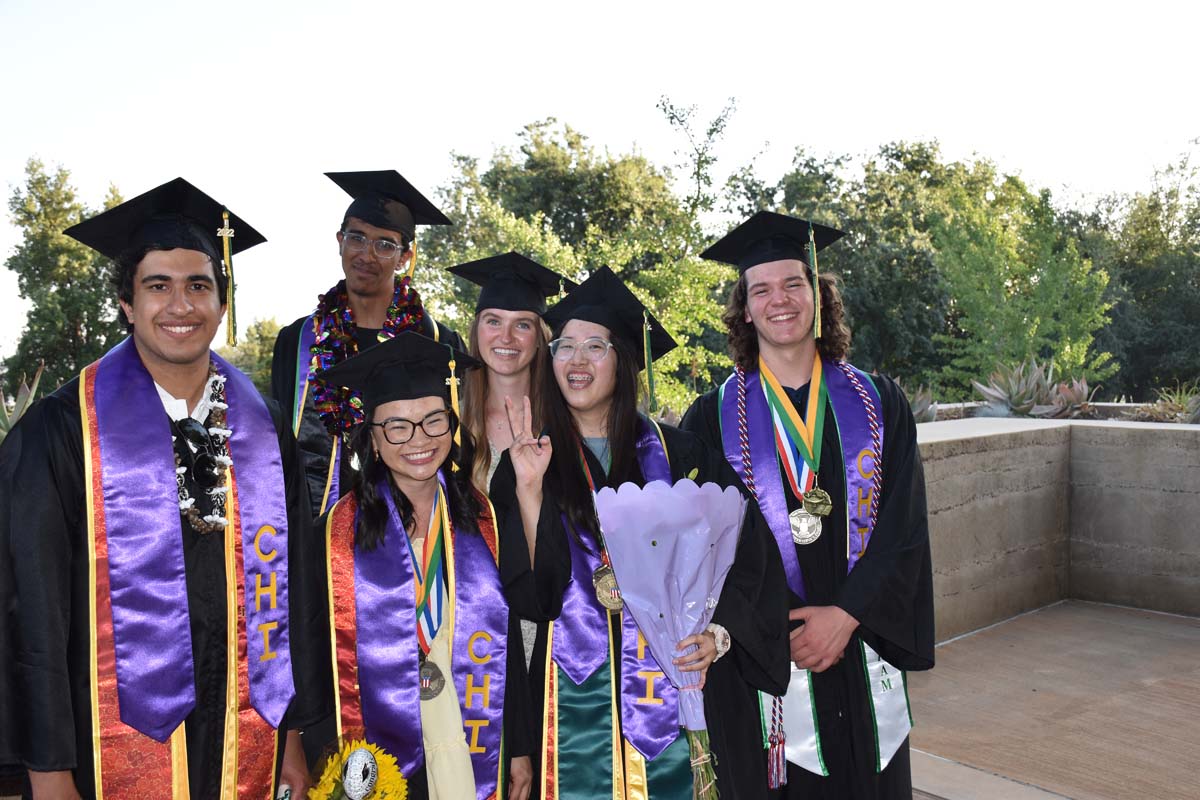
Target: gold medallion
[
  {"x": 607, "y": 591},
  {"x": 432, "y": 680},
  {"x": 806, "y": 528},
  {"x": 818, "y": 502}
]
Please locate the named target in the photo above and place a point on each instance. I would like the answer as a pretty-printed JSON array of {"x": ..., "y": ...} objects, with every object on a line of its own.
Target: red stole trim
[{"x": 339, "y": 548}]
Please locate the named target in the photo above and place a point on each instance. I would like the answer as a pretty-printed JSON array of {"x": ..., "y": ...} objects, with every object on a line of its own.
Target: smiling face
[
  {"x": 587, "y": 386},
  {"x": 175, "y": 308},
  {"x": 366, "y": 274},
  {"x": 779, "y": 303},
  {"x": 418, "y": 459},
  {"x": 507, "y": 340}
]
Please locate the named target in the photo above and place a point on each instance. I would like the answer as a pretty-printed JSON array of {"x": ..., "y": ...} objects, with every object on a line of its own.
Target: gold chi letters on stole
[{"x": 127, "y": 763}]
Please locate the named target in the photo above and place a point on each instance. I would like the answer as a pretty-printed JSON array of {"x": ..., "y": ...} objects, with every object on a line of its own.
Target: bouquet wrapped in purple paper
[{"x": 671, "y": 549}]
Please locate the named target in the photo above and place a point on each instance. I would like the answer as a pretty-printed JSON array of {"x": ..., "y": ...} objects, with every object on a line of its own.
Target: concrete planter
[{"x": 1024, "y": 513}]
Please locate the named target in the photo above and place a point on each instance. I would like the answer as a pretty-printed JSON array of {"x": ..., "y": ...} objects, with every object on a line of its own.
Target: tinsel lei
[
  {"x": 386, "y": 782},
  {"x": 341, "y": 409}
]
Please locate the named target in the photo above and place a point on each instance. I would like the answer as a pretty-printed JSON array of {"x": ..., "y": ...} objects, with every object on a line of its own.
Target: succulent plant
[
  {"x": 924, "y": 409},
  {"x": 1070, "y": 401},
  {"x": 12, "y": 409},
  {"x": 1016, "y": 390},
  {"x": 1180, "y": 403}
]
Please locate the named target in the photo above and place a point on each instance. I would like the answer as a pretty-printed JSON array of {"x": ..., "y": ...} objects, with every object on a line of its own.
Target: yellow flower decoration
[{"x": 389, "y": 785}]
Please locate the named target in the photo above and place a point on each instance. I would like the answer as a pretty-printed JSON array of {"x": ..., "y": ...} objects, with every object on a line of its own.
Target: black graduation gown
[
  {"x": 45, "y": 685},
  {"x": 315, "y": 442},
  {"x": 752, "y": 608},
  {"x": 890, "y": 593},
  {"x": 518, "y": 724}
]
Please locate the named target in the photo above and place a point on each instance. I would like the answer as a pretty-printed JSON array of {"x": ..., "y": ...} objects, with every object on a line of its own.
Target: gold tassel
[
  {"x": 226, "y": 233},
  {"x": 812, "y": 256},
  {"x": 452, "y": 382},
  {"x": 412, "y": 262}
]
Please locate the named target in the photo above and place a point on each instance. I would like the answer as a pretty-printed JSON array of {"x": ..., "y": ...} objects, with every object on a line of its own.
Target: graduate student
[
  {"x": 154, "y": 524},
  {"x": 589, "y": 674},
  {"x": 373, "y": 301},
  {"x": 427, "y": 654},
  {"x": 507, "y": 335},
  {"x": 830, "y": 453}
]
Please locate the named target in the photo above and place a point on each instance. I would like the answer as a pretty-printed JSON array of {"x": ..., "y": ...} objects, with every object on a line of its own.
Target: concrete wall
[
  {"x": 1135, "y": 515},
  {"x": 999, "y": 518},
  {"x": 1024, "y": 513}
]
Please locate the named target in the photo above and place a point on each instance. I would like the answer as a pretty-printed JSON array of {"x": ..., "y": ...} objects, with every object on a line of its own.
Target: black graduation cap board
[
  {"x": 385, "y": 199},
  {"x": 512, "y": 282}
]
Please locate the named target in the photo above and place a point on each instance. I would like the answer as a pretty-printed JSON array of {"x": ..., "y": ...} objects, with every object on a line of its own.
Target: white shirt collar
[{"x": 177, "y": 409}]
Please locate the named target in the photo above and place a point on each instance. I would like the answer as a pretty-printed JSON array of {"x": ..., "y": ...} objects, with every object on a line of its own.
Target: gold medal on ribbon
[
  {"x": 818, "y": 502},
  {"x": 806, "y": 527},
  {"x": 432, "y": 680},
  {"x": 607, "y": 591}
]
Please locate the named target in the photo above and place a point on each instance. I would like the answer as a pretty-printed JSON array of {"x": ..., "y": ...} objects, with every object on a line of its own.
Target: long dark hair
[
  {"x": 834, "y": 343},
  {"x": 462, "y": 501},
  {"x": 564, "y": 479}
]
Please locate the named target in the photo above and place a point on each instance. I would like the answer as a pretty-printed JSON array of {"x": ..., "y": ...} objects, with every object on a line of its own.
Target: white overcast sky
[{"x": 252, "y": 100}]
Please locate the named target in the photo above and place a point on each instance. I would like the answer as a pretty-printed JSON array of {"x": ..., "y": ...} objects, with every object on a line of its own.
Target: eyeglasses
[
  {"x": 385, "y": 249},
  {"x": 398, "y": 430},
  {"x": 206, "y": 470},
  {"x": 593, "y": 349}
]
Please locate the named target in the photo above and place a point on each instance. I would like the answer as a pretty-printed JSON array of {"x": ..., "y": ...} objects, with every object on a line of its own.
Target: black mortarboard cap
[
  {"x": 404, "y": 367},
  {"x": 768, "y": 236},
  {"x": 174, "y": 215},
  {"x": 512, "y": 282},
  {"x": 384, "y": 198},
  {"x": 605, "y": 300}
]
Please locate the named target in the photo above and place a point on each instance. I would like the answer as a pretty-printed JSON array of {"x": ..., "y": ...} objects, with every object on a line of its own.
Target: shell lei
[{"x": 389, "y": 783}]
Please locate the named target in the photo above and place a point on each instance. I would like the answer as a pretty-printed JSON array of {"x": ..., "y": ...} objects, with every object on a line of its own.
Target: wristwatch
[{"x": 721, "y": 637}]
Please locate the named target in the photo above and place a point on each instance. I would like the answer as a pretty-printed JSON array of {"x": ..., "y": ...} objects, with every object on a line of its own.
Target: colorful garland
[{"x": 341, "y": 409}]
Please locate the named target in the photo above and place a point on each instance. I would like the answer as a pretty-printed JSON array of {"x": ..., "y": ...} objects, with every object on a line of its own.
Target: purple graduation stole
[
  {"x": 581, "y": 639},
  {"x": 747, "y": 434},
  {"x": 148, "y": 585},
  {"x": 386, "y": 651}
]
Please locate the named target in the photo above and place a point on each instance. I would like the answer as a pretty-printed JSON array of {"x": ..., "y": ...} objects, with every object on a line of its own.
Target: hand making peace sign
[{"x": 530, "y": 454}]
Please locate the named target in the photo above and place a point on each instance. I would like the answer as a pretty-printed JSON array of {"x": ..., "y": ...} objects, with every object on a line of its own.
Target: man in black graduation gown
[
  {"x": 172, "y": 287},
  {"x": 374, "y": 301},
  {"x": 865, "y": 576}
]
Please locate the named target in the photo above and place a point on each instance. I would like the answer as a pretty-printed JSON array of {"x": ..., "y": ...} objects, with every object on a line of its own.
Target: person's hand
[
  {"x": 821, "y": 641},
  {"x": 293, "y": 771},
  {"x": 59, "y": 785},
  {"x": 530, "y": 454},
  {"x": 699, "y": 661},
  {"x": 520, "y": 778}
]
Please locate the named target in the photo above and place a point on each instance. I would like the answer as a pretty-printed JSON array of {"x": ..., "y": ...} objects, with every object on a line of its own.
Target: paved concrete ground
[{"x": 1075, "y": 700}]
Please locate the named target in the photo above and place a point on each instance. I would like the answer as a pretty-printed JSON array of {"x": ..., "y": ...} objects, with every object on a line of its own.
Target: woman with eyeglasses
[
  {"x": 428, "y": 666},
  {"x": 591, "y": 684}
]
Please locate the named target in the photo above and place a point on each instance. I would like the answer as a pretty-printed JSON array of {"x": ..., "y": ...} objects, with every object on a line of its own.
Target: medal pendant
[
  {"x": 806, "y": 528},
  {"x": 818, "y": 502},
  {"x": 607, "y": 591},
  {"x": 432, "y": 680}
]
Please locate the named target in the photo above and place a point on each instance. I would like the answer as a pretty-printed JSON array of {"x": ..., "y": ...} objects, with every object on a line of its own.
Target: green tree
[
  {"x": 253, "y": 353},
  {"x": 72, "y": 317}
]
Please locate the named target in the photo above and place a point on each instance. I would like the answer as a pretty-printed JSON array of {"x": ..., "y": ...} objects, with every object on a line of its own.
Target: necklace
[
  {"x": 218, "y": 446},
  {"x": 341, "y": 409}
]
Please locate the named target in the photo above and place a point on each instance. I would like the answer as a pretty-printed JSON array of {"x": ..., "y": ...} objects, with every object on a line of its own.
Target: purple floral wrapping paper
[{"x": 671, "y": 548}]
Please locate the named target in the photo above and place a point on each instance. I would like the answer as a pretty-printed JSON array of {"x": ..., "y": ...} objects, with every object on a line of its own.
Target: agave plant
[
  {"x": 12, "y": 409},
  {"x": 1071, "y": 400},
  {"x": 921, "y": 403},
  {"x": 1017, "y": 390}
]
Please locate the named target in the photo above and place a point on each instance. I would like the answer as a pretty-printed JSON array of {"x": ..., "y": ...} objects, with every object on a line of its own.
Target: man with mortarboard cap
[
  {"x": 373, "y": 302},
  {"x": 830, "y": 453},
  {"x": 440, "y": 681},
  {"x": 160, "y": 610},
  {"x": 610, "y": 728}
]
